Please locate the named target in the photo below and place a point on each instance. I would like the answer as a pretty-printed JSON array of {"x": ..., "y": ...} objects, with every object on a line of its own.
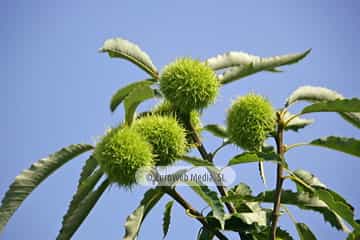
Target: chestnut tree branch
[{"x": 279, "y": 138}]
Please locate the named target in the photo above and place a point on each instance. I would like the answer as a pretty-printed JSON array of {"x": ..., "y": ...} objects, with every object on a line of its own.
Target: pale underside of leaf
[
  {"x": 133, "y": 222},
  {"x": 312, "y": 94},
  {"x": 235, "y": 59},
  {"x": 317, "y": 94},
  {"x": 29, "y": 179},
  {"x": 249, "y": 64},
  {"x": 296, "y": 123},
  {"x": 121, "y": 48}
]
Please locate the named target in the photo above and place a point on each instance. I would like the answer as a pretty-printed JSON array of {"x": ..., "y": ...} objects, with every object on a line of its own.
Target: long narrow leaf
[
  {"x": 133, "y": 222},
  {"x": 347, "y": 145},
  {"x": 302, "y": 200},
  {"x": 81, "y": 212},
  {"x": 122, "y": 93},
  {"x": 304, "y": 232},
  {"x": 234, "y": 59},
  {"x": 134, "y": 99},
  {"x": 296, "y": 123},
  {"x": 121, "y": 48},
  {"x": 332, "y": 199},
  {"x": 338, "y": 105},
  {"x": 195, "y": 161},
  {"x": 216, "y": 130},
  {"x": 83, "y": 190},
  {"x": 204, "y": 234},
  {"x": 29, "y": 179},
  {"x": 352, "y": 118},
  {"x": 250, "y": 64},
  {"x": 88, "y": 168},
  {"x": 211, "y": 198},
  {"x": 167, "y": 217},
  {"x": 249, "y": 157},
  {"x": 316, "y": 94},
  {"x": 312, "y": 94}
]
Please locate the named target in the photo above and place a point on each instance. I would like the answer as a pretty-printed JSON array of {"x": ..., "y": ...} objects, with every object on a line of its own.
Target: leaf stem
[
  {"x": 197, "y": 215},
  {"x": 279, "y": 138},
  {"x": 296, "y": 145},
  {"x": 220, "y": 147}
]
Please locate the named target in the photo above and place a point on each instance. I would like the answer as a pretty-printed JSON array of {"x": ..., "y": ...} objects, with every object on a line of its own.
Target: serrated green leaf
[
  {"x": 122, "y": 93},
  {"x": 249, "y": 64},
  {"x": 151, "y": 198},
  {"x": 241, "y": 189},
  {"x": 211, "y": 198},
  {"x": 240, "y": 222},
  {"x": 346, "y": 145},
  {"x": 304, "y": 232},
  {"x": 302, "y": 200},
  {"x": 134, "y": 221},
  {"x": 340, "y": 207},
  {"x": 74, "y": 221},
  {"x": 280, "y": 235},
  {"x": 241, "y": 193},
  {"x": 83, "y": 190},
  {"x": 352, "y": 118},
  {"x": 87, "y": 169},
  {"x": 338, "y": 105},
  {"x": 134, "y": 99},
  {"x": 29, "y": 179},
  {"x": 167, "y": 217},
  {"x": 249, "y": 157},
  {"x": 258, "y": 217},
  {"x": 296, "y": 123},
  {"x": 216, "y": 130},
  {"x": 121, "y": 48},
  {"x": 195, "y": 161},
  {"x": 332, "y": 199}
]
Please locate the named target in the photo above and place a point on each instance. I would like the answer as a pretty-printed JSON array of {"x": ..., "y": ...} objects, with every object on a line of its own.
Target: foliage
[{"x": 162, "y": 135}]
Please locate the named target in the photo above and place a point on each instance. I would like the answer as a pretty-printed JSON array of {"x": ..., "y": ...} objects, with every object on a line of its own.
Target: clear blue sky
[{"x": 55, "y": 90}]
